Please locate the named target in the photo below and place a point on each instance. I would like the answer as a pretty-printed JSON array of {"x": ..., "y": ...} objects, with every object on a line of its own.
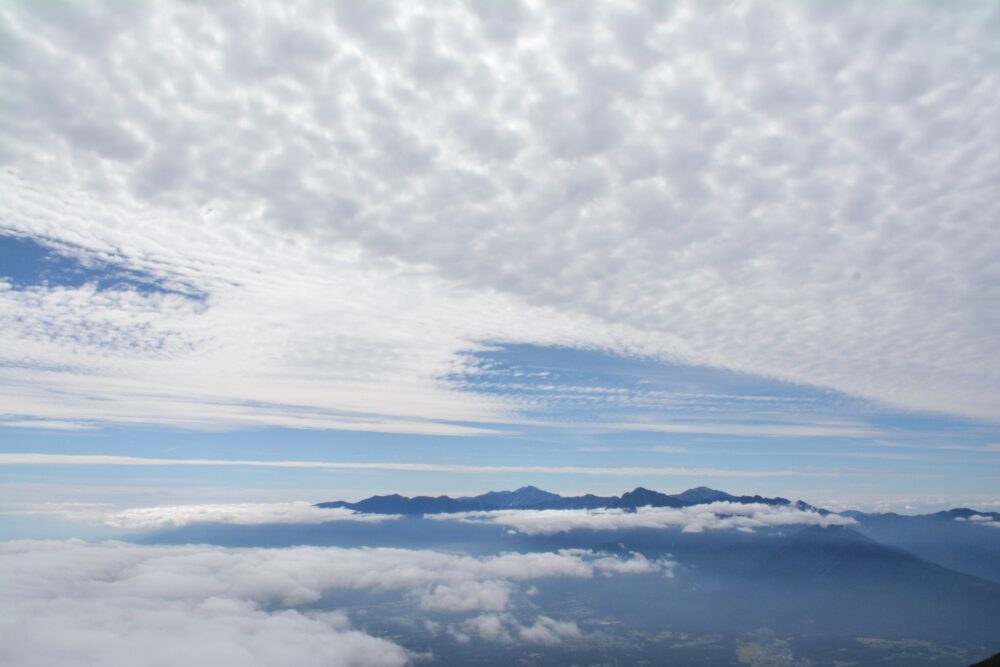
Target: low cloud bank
[
  {"x": 712, "y": 516},
  {"x": 173, "y": 516},
  {"x": 242, "y": 514},
  {"x": 981, "y": 519},
  {"x": 104, "y": 604}
]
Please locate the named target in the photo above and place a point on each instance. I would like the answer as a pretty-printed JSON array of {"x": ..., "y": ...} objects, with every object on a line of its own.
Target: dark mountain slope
[
  {"x": 962, "y": 545},
  {"x": 526, "y": 496}
]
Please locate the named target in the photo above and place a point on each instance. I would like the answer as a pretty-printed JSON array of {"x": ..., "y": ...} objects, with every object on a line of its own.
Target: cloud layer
[
  {"x": 345, "y": 197},
  {"x": 104, "y": 604},
  {"x": 239, "y": 514},
  {"x": 694, "y": 519},
  {"x": 172, "y": 516}
]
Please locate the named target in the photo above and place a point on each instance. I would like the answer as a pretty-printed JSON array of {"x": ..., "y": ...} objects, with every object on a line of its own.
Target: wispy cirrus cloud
[
  {"x": 820, "y": 430},
  {"x": 96, "y": 459}
]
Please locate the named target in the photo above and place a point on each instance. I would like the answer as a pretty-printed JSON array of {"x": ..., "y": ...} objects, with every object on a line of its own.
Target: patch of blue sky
[
  {"x": 28, "y": 262},
  {"x": 632, "y": 409},
  {"x": 592, "y": 386},
  {"x": 580, "y": 408}
]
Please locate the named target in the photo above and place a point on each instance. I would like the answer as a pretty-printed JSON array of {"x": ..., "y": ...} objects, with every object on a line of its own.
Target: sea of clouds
[{"x": 104, "y": 604}]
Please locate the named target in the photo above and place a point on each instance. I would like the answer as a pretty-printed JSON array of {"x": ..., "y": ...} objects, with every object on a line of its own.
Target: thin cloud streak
[
  {"x": 46, "y": 425},
  {"x": 758, "y": 430},
  {"x": 96, "y": 459}
]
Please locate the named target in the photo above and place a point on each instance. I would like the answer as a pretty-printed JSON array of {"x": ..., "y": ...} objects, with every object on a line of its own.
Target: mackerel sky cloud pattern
[{"x": 801, "y": 193}]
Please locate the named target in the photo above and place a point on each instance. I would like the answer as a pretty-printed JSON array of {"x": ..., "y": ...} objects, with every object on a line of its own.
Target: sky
[{"x": 315, "y": 251}]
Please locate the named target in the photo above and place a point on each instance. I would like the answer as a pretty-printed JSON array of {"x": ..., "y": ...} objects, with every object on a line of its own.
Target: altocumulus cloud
[
  {"x": 104, "y": 604},
  {"x": 695, "y": 519},
  {"x": 341, "y": 197}
]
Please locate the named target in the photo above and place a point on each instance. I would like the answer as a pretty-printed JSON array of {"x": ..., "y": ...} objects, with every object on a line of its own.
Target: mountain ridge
[{"x": 531, "y": 497}]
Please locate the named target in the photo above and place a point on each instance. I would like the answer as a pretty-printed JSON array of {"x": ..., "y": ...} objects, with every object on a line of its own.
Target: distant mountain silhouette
[
  {"x": 526, "y": 496},
  {"x": 530, "y": 497},
  {"x": 962, "y": 539},
  {"x": 964, "y": 513},
  {"x": 397, "y": 504},
  {"x": 890, "y": 579}
]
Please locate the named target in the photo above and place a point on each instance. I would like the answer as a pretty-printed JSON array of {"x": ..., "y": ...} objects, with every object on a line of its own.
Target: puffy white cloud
[
  {"x": 549, "y": 631},
  {"x": 105, "y": 604},
  {"x": 487, "y": 626},
  {"x": 467, "y": 596},
  {"x": 694, "y": 519},
  {"x": 113, "y": 604},
  {"x": 362, "y": 192},
  {"x": 505, "y": 628}
]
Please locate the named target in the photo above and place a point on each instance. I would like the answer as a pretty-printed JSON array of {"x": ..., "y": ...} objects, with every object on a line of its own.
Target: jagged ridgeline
[{"x": 531, "y": 497}]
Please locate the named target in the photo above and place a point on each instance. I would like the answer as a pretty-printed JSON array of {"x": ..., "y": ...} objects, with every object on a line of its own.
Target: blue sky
[
  {"x": 627, "y": 420},
  {"x": 637, "y": 256}
]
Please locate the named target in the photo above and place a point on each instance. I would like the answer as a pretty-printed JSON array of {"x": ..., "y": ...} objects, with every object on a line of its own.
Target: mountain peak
[
  {"x": 525, "y": 496},
  {"x": 640, "y": 497},
  {"x": 703, "y": 494}
]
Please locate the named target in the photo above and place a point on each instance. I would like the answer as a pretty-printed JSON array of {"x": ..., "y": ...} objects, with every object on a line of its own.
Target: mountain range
[
  {"x": 889, "y": 589},
  {"x": 533, "y": 498},
  {"x": 952, "y": 538}
]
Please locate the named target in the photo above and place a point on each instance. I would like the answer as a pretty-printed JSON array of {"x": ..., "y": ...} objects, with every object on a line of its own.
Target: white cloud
[
  {"x": 362, "y": 192},
  {"x": 45, "y": 425},
  {"x": 491, "y": 627},
  {"x": 97, "y": 459},
  {"x": 980, "y": 519},
  {"x": 105, "y": 604},
  {"x": 110, "y": 605},
  {"x": 711, "y": 516},
  {"x": 549, "y": 631},
  {"x": 504, "y": 628},
  {"x": 467, "y": 596},
  {"x": 239, "y": 514}
]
